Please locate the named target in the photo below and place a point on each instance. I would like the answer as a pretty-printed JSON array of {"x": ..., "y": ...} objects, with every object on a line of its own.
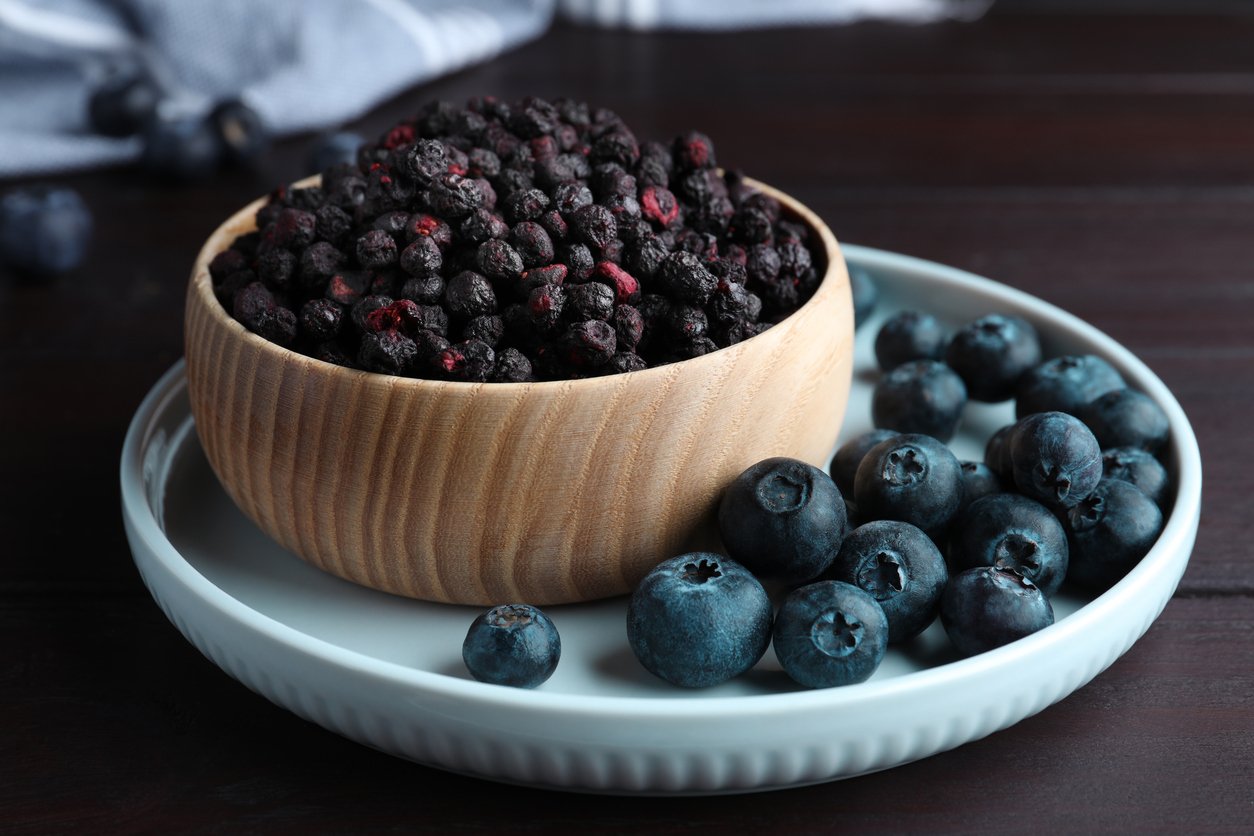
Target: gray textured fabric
[{"x": 306, "y": 64}]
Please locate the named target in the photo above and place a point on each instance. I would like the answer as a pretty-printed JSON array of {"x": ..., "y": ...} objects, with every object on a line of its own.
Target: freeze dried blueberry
[
  {"x": 544, "y": 306},
  {"x": 512, "y": 367},
  {"x": 295, "y": 229},
  {"x": 512, "y": 644},
  {"x": 626, "y": 288},
  {"x": 425, "y": 161},
  {"x": 250, "y": 302},
  {"x": 686, "y": 323},
  {"x": 498, "y": 260},
  {"x": 423, "y": 225},
  {"x": 1065, "y": 384},
  {"x": 320, "y": 319},
  {"x": 472, "y": 360},
  {"x": 1139, "y": 467},
  {"x": 487, "y": 329},
  {"x": 591, "y": 300},
  {"x": 360, "y": 312},
  {"x": 483, "y": 163},
  {"x": 422, "y": 257},
  {"x": 480, "y": 225},
  {"x": 454, "y": 197},
  {"x": 783, "y": 518},
  {"x": 468, "y": 294},
  {"x": 849, "y": 455},
  {"x": 698, "y": 619},
  {"x": 1127, "y": 418},
  {"x": 425, "y": 290},
  {"x": 645, "y": 256},
  {"x": 684, "y": 277},
  {"x": 1010, "y": 531},
  {"x": 532, "y": 243},
  {"x": 1055, "y": 459},
  {"x": 731, "y": 303},
  {"x": 594, "y": 225},
  {"x": 628, "y": 325},
  {"x": 346, "y": 287},
  {"x": 225, "y": 263},
  {"x": 332, "y": 223},
  {"x": 579, "y": 261},
  {"x": 992, "y": 353},
  {"x": 763, "y": 264},
  {"x": 333, "y": 352},
  {"x": 387, "y": 352},
  {"x": 829, "y": 634},
  {"x": 554, "y": 225},
  {"x": 525, "y": 205},
  {"x": 921, "y": 396},
  {"x": 626, "y": 361},
  {"x": 987, "y": 607},
  {"x": 659, "y": 206},
  {"x": 589, "y": 345},
  {"x": 318, "y": 262},
  {"x": 909, "y": 335},
  {"x": 550, "y": 274},
  {"x": 1110, "y": 530},
  {"x": 693, "y": 150},
  {"x": 900, "y": 567},
  {"x": 616, "y": 146},
  {"x": 912, "y": 478},
  {"x": 375, "y": 249}
]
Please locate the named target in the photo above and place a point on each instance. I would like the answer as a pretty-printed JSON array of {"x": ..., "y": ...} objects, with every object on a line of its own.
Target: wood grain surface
[
  {"x": 549, "y": 492},
  {"x": 1102, "y": 163}
]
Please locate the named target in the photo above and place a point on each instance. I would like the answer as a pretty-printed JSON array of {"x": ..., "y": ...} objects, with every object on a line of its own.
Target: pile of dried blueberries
[{"x": 512, "y": 242}]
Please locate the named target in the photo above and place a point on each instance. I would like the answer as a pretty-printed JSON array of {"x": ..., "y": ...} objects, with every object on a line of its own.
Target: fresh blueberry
[
  {"x": 783, "y": 518},
  {"x": 1127, "y": 418},
  {"x": 909, "y": 335},
  {"x": 921, "y": 396},
  {"x": 1056, "y": 460},
  {"x": 123, "y": 104},
  {"x": 44, "y": 230},
  {"x": 1110, "y": 531},
  {"x": 699, "y": 619},
  {"x": 334, "y": 149},
  {"x": 986, "y": 607},
  {"x": 1132, "y": 464},
  {"x": 992, "y": 353},
  {"x": 830, "y": 633},
  {"x": 912, "y": 478},
  {"x": 182, "y": 148},
  {"x": 900, "y": 567},
  {"x": 513, "y": 644},
  {"x": 997, "y": 454},
  {"x": 241, "y": 132},
  {"x": 978, "y": 481},
  {"x": 865, "y": 295},
  {"x": 850, "y": 454},
  {"x": 1011, "y": 532},
  {"x": 1065, "y": 384}
]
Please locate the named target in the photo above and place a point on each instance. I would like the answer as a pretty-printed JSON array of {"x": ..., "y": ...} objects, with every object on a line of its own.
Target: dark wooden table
[{"x": 1105, "y": 164}]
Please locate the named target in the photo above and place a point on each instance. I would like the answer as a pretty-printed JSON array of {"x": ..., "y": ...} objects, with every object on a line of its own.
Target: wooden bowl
[{"x": 485, "y": 493}]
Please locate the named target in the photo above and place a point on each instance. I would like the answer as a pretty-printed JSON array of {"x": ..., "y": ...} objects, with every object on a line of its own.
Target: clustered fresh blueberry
[{"x": 510, "y": 242}]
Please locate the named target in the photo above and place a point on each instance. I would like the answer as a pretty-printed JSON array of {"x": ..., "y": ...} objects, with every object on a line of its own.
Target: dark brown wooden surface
[{"x": 1105, "y": 164}]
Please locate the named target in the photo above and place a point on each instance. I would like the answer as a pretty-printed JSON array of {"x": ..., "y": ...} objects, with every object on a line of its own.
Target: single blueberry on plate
[
  {"x": 1109, "y": 532},
  {"x": 1056, "y": 460},
  {"x": 1010, "y": 531},
  {"x": 909, "y": 335},
  {"x": 1065, "y": 384},
  {"x": 992, "y": 353},
  {"x": 830, "y": 633},
  {"x": 122, "y": 105},
  {"x": 865, "y": 295},
  {"x": 912, "y": 478},
  {"x": 783, "y": 518},
  {"x": 987, "y": 607},
  {"x": 997, "y": 454},
  {"x": 183, "y": 147},
  {"x": 44, "y": 230},
  {"x": 512, "y": 644},
  {"x": 978, "y": 480},
  {"x": 1127, "y": 418},
  {"x": 921, "y": 396},
  {"x": 699, "y": 619},
  {"x": 334, "y": 149},
  {"x": 850, "y": 454},
  {"x": 1132, "y": 464},
  {"x": 900, "y": 567}
]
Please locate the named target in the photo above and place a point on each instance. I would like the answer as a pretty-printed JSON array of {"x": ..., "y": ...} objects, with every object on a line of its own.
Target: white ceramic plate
[{"x": 387, "y": 671}]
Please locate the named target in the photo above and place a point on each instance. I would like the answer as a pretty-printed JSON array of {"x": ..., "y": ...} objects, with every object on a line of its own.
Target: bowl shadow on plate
[{"x": 620, "y": 665}]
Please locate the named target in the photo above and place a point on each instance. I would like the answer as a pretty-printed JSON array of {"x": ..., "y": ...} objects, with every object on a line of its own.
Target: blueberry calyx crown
[
  {"x": 1014, "y": 551},
  {"x": 509, "y": 615},
  {"x": 700, "y": 572},
  {"x": 904, "y": 466},
  {"x": 836, "y": 634},
  {"x": 882, "y": 574},
  {"x": 1016, "y": 575},
  {"x": 1088, "y": 512},
  {"x": 784, "y": 489},
  {"x": 1052, "y": 477}
]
